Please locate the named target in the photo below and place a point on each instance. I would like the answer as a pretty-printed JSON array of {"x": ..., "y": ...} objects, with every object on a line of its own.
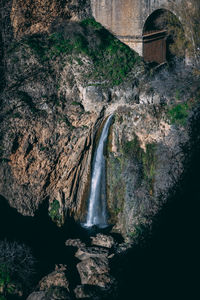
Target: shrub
[
  {"x": 17, "y": 266},
  {"x": 54, "y": 212},
  {"x": 4, "y": 279},
  {"x": 91, "y": 22},
  {"x": 179, "y": 113}
]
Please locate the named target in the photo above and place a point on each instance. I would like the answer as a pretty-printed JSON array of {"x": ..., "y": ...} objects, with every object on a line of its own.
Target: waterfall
[{"x": 97, "y": 214}]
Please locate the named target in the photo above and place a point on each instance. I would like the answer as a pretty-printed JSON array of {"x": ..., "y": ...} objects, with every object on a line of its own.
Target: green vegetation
[
  {"x": 91, "y": 22},
  {"x": 37, "y": 44},
  {"x": 17, "y": 268},
  {"x": 178, "y": 95},
  {"x": 115, "y": 187},
  {"x": 75, "y": 103},
  {"x": 5, "y": 281},
  {"x": 54, "y": 212},
  {"x": 147, "y": 159},
  {"x": 111, "y": 59},
  {"x": 132, "y": 149},
  {"x": 178, "y": 114},
  {"x": 149, "y": 164}
]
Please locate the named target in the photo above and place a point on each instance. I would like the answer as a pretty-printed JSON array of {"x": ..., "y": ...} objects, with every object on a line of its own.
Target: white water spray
[{"x": 97, "y": 214}]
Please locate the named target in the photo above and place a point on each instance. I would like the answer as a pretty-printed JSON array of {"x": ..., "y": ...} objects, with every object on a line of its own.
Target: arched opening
[{"x": 163, "y": 37}]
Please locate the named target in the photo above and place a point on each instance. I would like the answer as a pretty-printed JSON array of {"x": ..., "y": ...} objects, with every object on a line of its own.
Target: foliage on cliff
[
  {"x": 54, "y": 212},
  {"x": 110, "y": 60}
]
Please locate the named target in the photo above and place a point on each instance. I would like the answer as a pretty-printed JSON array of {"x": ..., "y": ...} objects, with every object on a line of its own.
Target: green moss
[
  {"x": 132, "y": 149},
  {"x": 75, "y": 103},
  {"x": 147, "y": 159},
  {"x": 37, "y": 44},
  {"x": 58, "y": 45},
  {"x": 92, "y": 23},
  {"x": 54, "y": 212},
  {"x": 115, "y": 188},
  {"x": 178, "y": 114}
]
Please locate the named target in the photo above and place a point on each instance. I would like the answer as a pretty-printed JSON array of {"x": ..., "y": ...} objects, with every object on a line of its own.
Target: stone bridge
[{"x": 126, "y": 18}]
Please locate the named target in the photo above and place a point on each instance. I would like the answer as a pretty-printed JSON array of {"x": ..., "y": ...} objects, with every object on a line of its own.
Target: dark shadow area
[
  {"x": 46, "y": 240},
  {"x": 166, "y": 266}
]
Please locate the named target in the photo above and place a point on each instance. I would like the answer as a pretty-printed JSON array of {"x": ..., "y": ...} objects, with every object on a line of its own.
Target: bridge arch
[
  {"x": 126, "y": 18},
  {"x": 162, "y": 35}
]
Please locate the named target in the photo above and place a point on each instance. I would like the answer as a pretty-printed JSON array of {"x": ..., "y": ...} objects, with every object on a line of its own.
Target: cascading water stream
[{"x": 97, "y": 214}]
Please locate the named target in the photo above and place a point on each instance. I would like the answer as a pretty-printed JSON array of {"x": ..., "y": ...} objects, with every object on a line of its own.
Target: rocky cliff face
[
  {"x": 58, "y": 91},
  {"x": 29, "y": 17}
]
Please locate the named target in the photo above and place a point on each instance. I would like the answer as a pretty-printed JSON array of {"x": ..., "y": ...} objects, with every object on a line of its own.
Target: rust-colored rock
[{"x": 29, "y": 17}]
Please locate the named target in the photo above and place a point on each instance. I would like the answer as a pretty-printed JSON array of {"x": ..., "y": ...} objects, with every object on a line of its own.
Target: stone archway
[{"x": 160, "y": 31}]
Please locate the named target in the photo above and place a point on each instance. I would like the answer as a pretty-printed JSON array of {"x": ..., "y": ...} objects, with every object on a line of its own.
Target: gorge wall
[{"x": 63, "y": 77}]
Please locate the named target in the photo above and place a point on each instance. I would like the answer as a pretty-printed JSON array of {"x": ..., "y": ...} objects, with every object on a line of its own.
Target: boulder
[
  {"x": 87, "y": 252},
  {"x": 75, "y": 243},
  {"x": 103, "y": 240},
  {"x": 55, "y": 279},
  {"x": 94, "y": 271}
]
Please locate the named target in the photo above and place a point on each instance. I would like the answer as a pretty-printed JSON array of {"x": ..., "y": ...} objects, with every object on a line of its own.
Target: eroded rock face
[
  {"x": 146, "y": 156},
  {"x": 30, "y": 17}
]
